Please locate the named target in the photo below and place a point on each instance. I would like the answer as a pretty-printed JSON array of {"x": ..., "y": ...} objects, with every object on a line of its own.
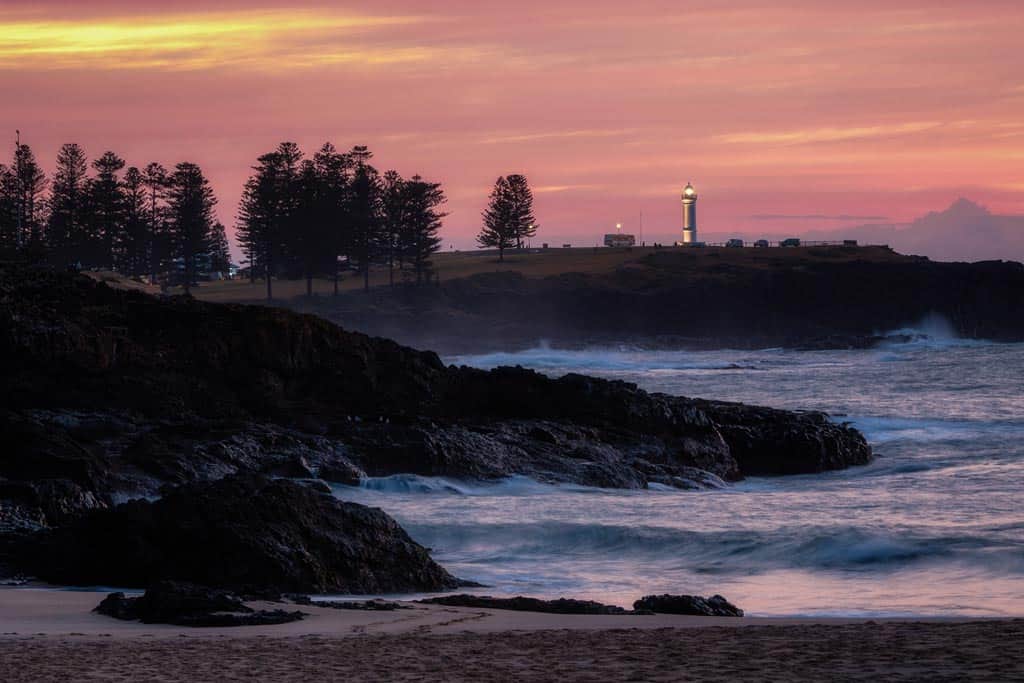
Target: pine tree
[
  {"x": 365, "y": 213},
  {"x": 67, "y": 225},
  {"x": 154, "y": 179},
  {"x": 106, "y": 201},
  {"x": 190, "y": 217},
  {"x": 136, "y": 239},
  {"x": 499, "y": 229},
  {"x": 29, "y": 183},
  {"x": 220, "y": 250},
  {"x": 418, "y": 238},
  {"x": 394, "y": 200},
  {"x": 334, "y": 169},
  {"x": 268, "y": 210},
  {"x": 8, "y": 210},
  {"x": 524, "y": 224}
]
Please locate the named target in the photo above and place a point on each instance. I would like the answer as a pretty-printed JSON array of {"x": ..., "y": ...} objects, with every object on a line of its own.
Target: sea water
[{"x": 934, "y": 526}]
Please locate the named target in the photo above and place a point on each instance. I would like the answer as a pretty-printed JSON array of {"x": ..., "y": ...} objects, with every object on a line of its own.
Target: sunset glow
[{"x": 800, "y": 108}]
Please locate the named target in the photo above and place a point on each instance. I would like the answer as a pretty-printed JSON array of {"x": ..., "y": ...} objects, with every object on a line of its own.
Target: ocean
[{"x": 934, "y": 526}]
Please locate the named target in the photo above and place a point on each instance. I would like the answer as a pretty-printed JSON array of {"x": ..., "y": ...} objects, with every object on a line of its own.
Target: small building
[{"x": 619, "y": 239}]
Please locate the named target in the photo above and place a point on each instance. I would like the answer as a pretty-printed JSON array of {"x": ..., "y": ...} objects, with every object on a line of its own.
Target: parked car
[
  {"x": 734, "y": 243},
  {"x": 791, "y": 242},
  {"x": 849, "y": 243},
  {"x": 761, "y": 243}
]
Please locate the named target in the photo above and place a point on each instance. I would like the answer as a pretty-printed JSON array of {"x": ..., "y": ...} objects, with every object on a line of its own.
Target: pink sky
[{"x": 885, "y": 109}]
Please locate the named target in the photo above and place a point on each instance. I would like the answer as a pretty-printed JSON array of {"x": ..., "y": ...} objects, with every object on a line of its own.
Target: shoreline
[
  {"x": 48, "y": 635},
  {"x": 47, "y": 611}
]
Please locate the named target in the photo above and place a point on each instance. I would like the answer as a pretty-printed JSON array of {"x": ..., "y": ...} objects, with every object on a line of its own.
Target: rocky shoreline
[{"x": 116, "y": 395}]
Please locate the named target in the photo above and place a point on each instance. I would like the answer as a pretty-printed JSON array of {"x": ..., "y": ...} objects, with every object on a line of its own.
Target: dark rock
[
  {"x": 244, "y": 533},
  {"x": 185, "y": 604},
  {"x": 715, "y": 606},
  {"x": 523, "y": 604},
  {"x": 204, "y": 406}
]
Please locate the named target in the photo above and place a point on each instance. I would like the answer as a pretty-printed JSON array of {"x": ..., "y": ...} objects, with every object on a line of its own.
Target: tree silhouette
[
  {"x": 268, "y": 210},
  {"x": 499, "y": 229},
  {"x": 106, "y": 203},
  {"x": 220, "y": 251},
  {"x": 154, "y": 179},
  {"x": 365, "y": 212},
  {"x": 136, "y": 239},
  {"x": 66, "y": 229},
  {"x": 394, "y": 202},
  {"x": 190, "y": 203},
  {"x": 524, "y": 224},
  {"x": 419, "y": 238}
]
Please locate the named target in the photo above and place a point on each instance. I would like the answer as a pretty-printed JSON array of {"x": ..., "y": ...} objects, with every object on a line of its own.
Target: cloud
[
  {"x": 270, "y": 39},
  {"x": 813, "y": 217},
  {"x": 826, "y": 134}
]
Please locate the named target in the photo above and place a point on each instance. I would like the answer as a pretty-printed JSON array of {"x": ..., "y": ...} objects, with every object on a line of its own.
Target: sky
[{"x": 786, "y": 116}]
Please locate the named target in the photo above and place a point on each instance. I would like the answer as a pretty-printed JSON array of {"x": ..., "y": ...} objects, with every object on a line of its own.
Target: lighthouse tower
[{"x": 689, "y": 214}]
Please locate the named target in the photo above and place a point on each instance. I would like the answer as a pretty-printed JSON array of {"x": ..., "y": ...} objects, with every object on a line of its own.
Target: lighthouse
[{"x": 689, "y": 215}]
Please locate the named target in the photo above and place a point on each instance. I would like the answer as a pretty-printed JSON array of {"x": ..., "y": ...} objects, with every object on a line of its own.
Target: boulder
[
  {"x": 185, "y": 604},
  {"x": 245, "y": 533},
  {"x": 715, "y": 606},
  {"x": 523, "y": 604}
]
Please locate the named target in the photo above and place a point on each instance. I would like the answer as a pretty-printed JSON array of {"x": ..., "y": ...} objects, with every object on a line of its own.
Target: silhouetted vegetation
[
  {"x": 298, "y": 217},
  {"x": 508, "y": 218},
  {"x": 335, "y": 212}
]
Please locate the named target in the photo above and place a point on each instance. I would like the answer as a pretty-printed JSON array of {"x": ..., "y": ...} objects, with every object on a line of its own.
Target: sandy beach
[{"x": 53, "y": 635}]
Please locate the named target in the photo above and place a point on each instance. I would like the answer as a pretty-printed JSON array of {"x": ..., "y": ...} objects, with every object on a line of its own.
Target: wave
[
  {"x": 819, "y": 548},
  {"x": 934, "y": 331},
  {"x": 417, "y": 484},
  {"x": 605, "y": 361},
  {"x": 881, "y": 430}
]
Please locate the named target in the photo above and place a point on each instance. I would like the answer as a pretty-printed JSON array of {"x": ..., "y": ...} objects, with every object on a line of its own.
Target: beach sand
[{"x": 53, "y": 635}]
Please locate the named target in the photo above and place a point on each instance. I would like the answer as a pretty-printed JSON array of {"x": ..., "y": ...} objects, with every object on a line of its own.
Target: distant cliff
[{"x": 832, "y": 297}]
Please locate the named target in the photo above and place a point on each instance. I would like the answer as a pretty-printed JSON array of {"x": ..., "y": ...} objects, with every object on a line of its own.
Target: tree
[
  {"x": 418, "y": 237},
  {"x": 365, "y": 213},
  {"x": 26, "y": 185},
  {"x": 394, "y": 201},
  {"x": 67, "y": 226},
  {"x": 499, "y": 230},
  {"x": 524, "y": 224},
  {"x": 154, "y": 179},
  {"x": 268, "y": 209},
  {"x": 8, "y": 210},
  {"x": 136, "y": 239},
  {"x": 334, "y": 169},
  {"x": 220, "y": 250},
  {"x": 106, "y": 201},
  {"x": 190, "y": 203}
]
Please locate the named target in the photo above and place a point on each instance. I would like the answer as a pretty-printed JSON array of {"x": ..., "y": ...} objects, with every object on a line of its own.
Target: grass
[{"x": 538, "y": 263}]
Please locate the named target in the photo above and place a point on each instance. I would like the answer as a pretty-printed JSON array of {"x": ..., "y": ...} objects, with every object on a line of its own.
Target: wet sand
[{"x": 51, "y": 635}]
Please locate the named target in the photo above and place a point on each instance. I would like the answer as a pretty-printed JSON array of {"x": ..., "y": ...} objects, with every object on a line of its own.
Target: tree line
[
  {"x": 139, "y": 222},
  {"x": 331, "y": 212},
  {"x": 298, "y": 217}
]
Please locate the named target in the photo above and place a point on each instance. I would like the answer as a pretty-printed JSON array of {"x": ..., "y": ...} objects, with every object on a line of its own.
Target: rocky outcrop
[
  {"x": 523, "y": 604},
  {"x": 115, "y": 394},
  {"x": 184, "y": 604},
  {"x": 246, "y": 533},
  {"x": 715, "y": 606}
]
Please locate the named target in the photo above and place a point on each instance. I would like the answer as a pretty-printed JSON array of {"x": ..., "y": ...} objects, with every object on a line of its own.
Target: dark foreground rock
[
  {"x": 112, "y": 391},
  {"x": 245, "y": 533},
  {"x": 184, "y": 604},
  {"x": 523, "y": 604},
  {"x": 715, "y": 606}
]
